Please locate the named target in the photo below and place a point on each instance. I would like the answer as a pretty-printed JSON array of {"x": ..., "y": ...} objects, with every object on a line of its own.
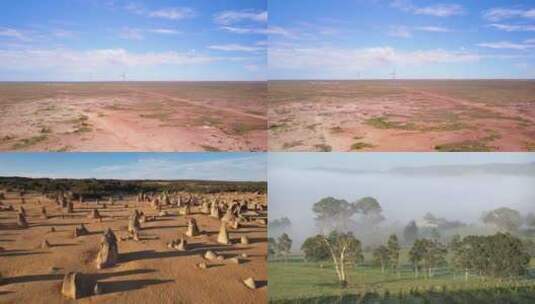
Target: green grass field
[{"x": 297, "y": 281}]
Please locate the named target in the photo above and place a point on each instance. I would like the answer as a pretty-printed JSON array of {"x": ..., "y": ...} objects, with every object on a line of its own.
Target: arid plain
[
  {"x": 151, "y": 266},
  {"x": 402, "y": 115},
  {"x": 133, "y": 116}
]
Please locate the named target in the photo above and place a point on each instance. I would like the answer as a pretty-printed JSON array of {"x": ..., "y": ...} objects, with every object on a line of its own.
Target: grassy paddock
[{"x": 296, "y": 281}]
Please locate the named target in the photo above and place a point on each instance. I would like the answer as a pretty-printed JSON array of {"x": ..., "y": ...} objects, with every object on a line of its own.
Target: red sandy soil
[
  {"x": 147, "y": 271},
  {"x": 422, "y": 117},
  {"x": 133, "y": 117}
]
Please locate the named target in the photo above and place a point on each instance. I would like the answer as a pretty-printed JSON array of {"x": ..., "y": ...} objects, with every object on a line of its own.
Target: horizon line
[
  {"x": 356, "y": 79},
  {"x": 121, "y": 81},
  {"x": 134, "y": 179}
]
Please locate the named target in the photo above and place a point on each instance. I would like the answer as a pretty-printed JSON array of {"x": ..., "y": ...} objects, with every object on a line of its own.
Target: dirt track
[
  {"x": 381, "y": 116},
  {"x": 133, "y": 117}
]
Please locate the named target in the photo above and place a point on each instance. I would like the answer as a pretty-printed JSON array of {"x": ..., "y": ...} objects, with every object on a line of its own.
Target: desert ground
[
  {"x": 147, "y": 270},
  {"x": 133, "y": 116},
  {"x": 402, "y": 115}
]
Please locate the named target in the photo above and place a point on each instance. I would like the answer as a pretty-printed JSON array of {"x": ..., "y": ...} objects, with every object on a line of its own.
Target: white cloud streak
[
  {"x": 433, "y": 29},
  {"x": 12, "y": 33},
  {"x": 506, "y": 45},
  {"x": 73, "y": 60},
  {"x": 232, "y": 17},
  {"x": 173, "y": 13},
  {"x": 139, "y": 34},
  {"x": 437, "y": 10},
  {"x": 361, "y": 58},
  {"x": 513, "y": 28},
  {"x": 170, "y": 13},
  {"x": 235, "y": 48},
  {"x": 272, "y": 30},
  {"x": 235, "y": 169},
  {"x": 498, "y": 14}
]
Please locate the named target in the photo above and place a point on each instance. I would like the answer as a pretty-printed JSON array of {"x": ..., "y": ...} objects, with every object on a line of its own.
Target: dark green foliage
[
  {"x": 272, "y": 246},
  {"x": 381, "y": 258},
  {"x": 499, "y": 255},
  {"x": 336, "y": 214},
  {"x": 393, "y": 251},
  {"x": 315, "y": 250},
  {"x": 340, "y": 240},
  {"x": 427, "y": 254},
  {"x": 95, "y": 188},
  {"x": 410, "y": 233},
  {"x": 333, "y": 214},
  {"x": 284, "y": 245}
]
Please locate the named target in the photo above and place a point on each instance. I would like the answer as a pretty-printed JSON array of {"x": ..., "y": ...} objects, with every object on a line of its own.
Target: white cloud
[
  {"x": 171, "y": 13},
  {"x": 433, "y": 29},
  {"x": 163, "y": 31},
  {"x": 400, "y": 31},
  {"x": 440, "y": 10},
  {"x": 245, "y": 168},
  {"x": 99, "y": 59},
  {"x": 12, "y": 33},
  {"x": 513, "y": 28},
  {"x": 497, "y": 14},
  {"x": 437, "y": 10},
  {"x": 277, "y": 30},
  {"x": 174, "y": 13},
  {"x": 505, "y": 45},
  {"x": 361, "y": 58},
  {"x": 406, "y": 32},
  {"x": 272, "y": 30},
  {"x": 231, "y": 17},
  {"x": 139, "y": 34},
  {"x": 235, "y": 48}
]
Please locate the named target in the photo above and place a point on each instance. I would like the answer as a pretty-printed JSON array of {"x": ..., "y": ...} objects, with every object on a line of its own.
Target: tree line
[
  {"x": 104, "y": 187},
  {"x": 500, "y": 255}
]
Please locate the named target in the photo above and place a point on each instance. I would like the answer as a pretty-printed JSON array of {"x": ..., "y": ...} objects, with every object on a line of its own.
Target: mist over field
[{"x": 458, "y": 187}]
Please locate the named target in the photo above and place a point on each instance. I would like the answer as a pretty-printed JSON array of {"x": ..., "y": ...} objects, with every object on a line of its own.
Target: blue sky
[
  {"x": 147, "y": 40},
  {"x": 203, "y": 166},
  {"x": 344, "y": 39}
]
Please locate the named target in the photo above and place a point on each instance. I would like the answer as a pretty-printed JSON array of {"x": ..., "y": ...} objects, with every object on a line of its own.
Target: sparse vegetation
[
  {"x": 336, "y": 130},
  {"x": 384, "y": 123},
  {"x": 464, "y": 146},
  {"x": 28, "y": 142},
  {"x": 323, "y": 148},
  {"x": 361, "y": 145},
  {"x": 210, "y": 148},
  {"x": 292, "y": 144}
]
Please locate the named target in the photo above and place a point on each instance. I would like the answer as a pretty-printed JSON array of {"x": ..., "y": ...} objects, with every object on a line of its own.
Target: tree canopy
[
  {"x": 410, "y": 233},
  {"x": 505, "y": 219},
  {"x": 315, "y": 250}
]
